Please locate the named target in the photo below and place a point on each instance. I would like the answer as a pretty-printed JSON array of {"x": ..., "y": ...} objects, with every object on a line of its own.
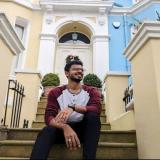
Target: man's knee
[
  {"x": 92, "y": 116},
  {"x": 48, "y": 130}
]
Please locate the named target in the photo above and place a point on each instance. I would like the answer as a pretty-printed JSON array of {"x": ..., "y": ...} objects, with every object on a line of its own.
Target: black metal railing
[
  {"x": 25, "y": 123},
  {"x": 128, "y": 96},
  {"x": 18, "y": 93}
]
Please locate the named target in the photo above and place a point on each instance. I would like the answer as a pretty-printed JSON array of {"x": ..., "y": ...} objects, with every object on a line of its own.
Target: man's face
[{"x": 75, "y": 73}]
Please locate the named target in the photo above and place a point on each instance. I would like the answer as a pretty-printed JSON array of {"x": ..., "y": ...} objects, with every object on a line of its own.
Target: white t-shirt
[{"x": 68, "y": 98}]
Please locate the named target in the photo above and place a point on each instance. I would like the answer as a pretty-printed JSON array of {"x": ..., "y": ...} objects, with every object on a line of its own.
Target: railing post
[
  {"x": 16, "y": 105},
  {"x": 20, "y": 105},
  {"x": 25, "y": 123},
  {"x": 5, "y": 114},
  {"x": 128, "y": 96}
]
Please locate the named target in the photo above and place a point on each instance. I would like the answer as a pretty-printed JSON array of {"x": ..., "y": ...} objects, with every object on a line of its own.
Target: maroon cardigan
[{"x": 53, "y": 107}]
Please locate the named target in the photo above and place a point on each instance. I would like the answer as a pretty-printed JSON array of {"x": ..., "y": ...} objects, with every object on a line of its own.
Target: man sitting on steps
[{"x": 72, "y": 116}]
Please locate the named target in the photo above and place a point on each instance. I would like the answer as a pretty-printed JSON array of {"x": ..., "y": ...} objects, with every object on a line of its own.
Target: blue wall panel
[
  {"x": 124, "y": 3},
  {"x": 119, "y": 38},
  {"x": 117, "y": 44}
]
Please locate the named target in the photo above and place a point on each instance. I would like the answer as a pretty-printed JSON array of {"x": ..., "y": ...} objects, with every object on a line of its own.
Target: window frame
[
  {"x": 19, "y": 60},
  {"x": 82, "y": 38}
]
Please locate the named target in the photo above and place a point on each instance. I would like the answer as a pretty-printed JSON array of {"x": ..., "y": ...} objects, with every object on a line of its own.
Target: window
[
  {"x": 22, "y": 30},
  {"x": 74, "y": 37}
]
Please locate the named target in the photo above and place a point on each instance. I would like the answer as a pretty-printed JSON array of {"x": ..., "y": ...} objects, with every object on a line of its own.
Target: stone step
[
  {"x": 44, "y": 99},
  {"x": 105, "y": 135},
  {"x": 40, "y": 117},
  {"x": 13, "y": 158},
  {"x": 41, "y": 110},
  {"x": 106, "y": 150},
  {"x": 44, "y": 104},
  {"x": 39, "y": 124}
]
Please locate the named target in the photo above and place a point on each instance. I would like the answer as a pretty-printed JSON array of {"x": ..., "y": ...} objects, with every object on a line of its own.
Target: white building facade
[{"x": 88, "y": 19}]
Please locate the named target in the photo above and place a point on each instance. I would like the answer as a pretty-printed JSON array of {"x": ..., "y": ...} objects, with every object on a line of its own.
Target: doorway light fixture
[{"x": 74, "y": 35}]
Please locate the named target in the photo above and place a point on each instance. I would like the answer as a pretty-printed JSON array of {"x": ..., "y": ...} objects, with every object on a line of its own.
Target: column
[
  {"x": 143, "y": 53},
  {"x": 47, "y": 42},
  {"x": 100, "y": 56},
  {"x": 47, "y": 53}
]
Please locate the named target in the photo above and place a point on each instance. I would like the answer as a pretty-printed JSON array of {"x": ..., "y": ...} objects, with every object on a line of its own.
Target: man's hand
[
  {"x": 71, "y": 138},
  {"x": 80, "y": 109},
  {"x": 63, "y": 115}
]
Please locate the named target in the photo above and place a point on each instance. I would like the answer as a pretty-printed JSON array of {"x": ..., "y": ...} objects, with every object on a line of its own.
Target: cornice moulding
[
  {"x": 48, "y": 36},
  {"x": 134, "y": 9},
  {"x": 9, "y": 35},
  {"x": 29, "y": 71},
  {"x": 115, "y": 73},
  {"x": 147, "y": 31},
  {"x": 100, "y": 37},
  {"x": 25, "y": 3},
  {"x": 108, "y": 4},
  {"x": 73, "y": 4}
]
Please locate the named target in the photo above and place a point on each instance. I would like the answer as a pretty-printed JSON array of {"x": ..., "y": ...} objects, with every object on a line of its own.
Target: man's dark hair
[{"x": 68, "y": 65}]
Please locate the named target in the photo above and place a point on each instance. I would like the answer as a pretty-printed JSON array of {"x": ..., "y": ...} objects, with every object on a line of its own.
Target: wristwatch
[{"x": 72, "y": 106}]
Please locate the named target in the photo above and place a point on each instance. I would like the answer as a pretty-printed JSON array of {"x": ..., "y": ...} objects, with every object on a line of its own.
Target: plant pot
[
  {"x": 47, "y": 89},
  {"x": 100, "y": 91}
]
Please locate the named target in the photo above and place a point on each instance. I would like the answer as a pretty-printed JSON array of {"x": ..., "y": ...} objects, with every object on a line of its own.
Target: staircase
[{"x": 112, "y": 144}]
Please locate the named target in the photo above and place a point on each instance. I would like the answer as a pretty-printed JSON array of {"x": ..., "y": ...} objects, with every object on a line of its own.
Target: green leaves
[
  {"x": 50, "y": 79},
  {"x": 92, "y": 80}
]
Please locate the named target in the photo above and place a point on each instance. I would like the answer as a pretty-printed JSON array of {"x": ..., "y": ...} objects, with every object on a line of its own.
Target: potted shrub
[
  {"x": 50, "y": 81},
  {"x": 93, "y": 80}
]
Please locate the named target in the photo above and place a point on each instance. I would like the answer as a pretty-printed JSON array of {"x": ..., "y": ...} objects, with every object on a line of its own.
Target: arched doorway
[{"x": 73, "y": 39}]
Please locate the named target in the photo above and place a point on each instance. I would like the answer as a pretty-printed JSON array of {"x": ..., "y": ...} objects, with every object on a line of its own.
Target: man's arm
[
  {"x": 52, "y": 107},
  {"x": 52, "y": 117},
  {"x": 94, "y": 104},
  {"x": 55, "y": 119}
]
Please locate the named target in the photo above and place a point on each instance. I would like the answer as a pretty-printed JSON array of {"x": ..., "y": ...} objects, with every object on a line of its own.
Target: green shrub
[
  {"x": 50, "y": 79},
  {"x": 92, "y": 80}
]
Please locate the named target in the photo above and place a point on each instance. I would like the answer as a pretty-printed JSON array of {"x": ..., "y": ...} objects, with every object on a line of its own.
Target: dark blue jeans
[{"x": 88, "y": 131}]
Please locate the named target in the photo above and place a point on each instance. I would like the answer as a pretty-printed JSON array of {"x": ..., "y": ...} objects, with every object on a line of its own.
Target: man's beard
[{"x": 75, "y": 79}]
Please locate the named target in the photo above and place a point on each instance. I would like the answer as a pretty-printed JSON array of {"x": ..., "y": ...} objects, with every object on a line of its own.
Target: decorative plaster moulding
[
  {"x": 135, "y": 8},
  {"x": 99, "y": 38},
  {"x": 103, "y": 37},
  {"x": 87, "y": 5},
  {"x": 29, "y": 71},
  {"x": 46, "y": 36},
  {"x": 116, "y": 73},
  {"x": 9, "y": 35},
  {"x": 102, "y": 15},
  {"x": 26, "y": 3},
  {"x": 148, "y": 30},
  {"x": 12, "y": 77}
]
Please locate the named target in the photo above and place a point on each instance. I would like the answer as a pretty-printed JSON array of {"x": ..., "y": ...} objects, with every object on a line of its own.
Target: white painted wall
[
  {"x": 100, "y": 56},
  {"x": 98, "y": 62},
  {"x": 46, "y": 54},
  {"x": 63, "y": 50}
]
